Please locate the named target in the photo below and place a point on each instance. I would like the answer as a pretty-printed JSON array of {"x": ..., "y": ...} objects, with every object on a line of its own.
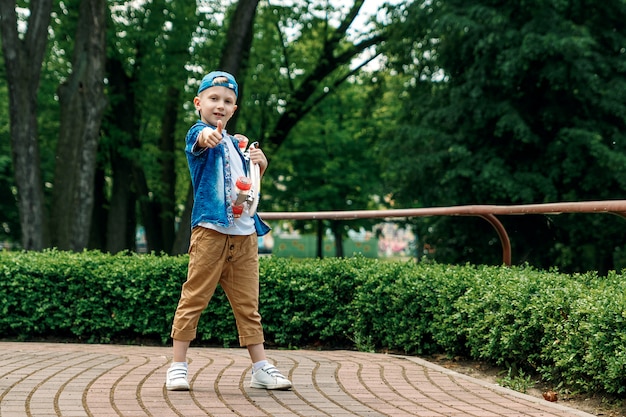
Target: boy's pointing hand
[{"x": 210, "y": 138}]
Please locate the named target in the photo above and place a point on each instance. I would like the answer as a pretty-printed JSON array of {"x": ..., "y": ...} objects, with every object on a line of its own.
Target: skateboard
[{"x": 248, "y": 187}]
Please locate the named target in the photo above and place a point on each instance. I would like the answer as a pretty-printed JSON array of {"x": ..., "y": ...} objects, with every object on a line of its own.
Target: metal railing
[{"x": 487, "y": 212}]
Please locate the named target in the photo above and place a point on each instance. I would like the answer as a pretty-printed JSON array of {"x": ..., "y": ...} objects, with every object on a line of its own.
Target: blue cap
[{"x": 209, "y": 81}]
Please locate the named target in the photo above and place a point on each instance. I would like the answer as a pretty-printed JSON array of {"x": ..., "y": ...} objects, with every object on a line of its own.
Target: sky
[{"x": 369, "y": 8}]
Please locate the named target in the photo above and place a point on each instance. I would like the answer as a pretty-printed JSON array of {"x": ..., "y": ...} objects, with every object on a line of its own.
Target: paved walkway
[{"x": 48, "y": 379}]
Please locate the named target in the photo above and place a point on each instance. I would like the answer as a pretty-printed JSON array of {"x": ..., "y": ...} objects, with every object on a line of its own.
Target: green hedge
[{"x": 568, "y": 328}]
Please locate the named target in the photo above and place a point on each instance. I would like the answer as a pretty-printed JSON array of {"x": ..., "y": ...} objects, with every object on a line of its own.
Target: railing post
[{"x": 504, "y": 237}]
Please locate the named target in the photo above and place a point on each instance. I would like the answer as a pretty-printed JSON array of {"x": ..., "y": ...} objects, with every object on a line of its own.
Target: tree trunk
[
  {"x": 337, "y": 229},
  {"x": 23, "y": 59},
  {"x": 97, "y": 237},
  {"x": 167, "y": 205},
  {"x": 320, "y": 239},
  {"x": 157, "y": 214},
  {"x": 183, "y": 234},
  {"x": 121, "y": 219},
  {"x": 148, "y": 209},
  {"x": 234, "y": 60},
  {"x": 82, "y": 104}
]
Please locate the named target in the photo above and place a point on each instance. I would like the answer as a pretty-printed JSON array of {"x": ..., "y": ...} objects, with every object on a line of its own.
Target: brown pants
[{"x": 231, "y": 261}]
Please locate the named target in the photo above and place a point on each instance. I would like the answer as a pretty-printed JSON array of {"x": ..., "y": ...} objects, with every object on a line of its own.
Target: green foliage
[
  {"x": 566, "y": 328},
  {"x": 508, "y": 310},
  {"x": 510, "y": 103},
  {"x": 481, "y": 102},
  {"x": 155, "y": 58},
  {"x": 309, "y": 302},
  {"x": 156, "y": 53},
  {"x": 519, "y": 381},
  {"x": 327, "y": 163},
  {"x": 588, "y": 345},
  {"x": 89, "y": 296}
]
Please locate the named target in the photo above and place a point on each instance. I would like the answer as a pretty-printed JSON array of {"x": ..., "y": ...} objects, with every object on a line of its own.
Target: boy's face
[{"x": 216, "y": 103}]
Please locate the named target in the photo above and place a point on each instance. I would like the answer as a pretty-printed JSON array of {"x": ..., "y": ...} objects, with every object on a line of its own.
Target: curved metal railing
[{"x": 487, "y": 212}]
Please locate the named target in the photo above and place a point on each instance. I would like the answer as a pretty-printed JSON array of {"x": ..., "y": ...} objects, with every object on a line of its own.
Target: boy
[{"x": 223, "y": 249}]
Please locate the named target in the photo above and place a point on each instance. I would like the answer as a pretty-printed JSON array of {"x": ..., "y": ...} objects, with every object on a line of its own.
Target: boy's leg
[
  {"x": 240, "y": 282},
  {"x": 176, "y": 379},
  {"x": 241, "y": 285},
  {"x": 180, "y": 348},
  {"x": 206, "y": 260},
  {"x": 205, "y": 266},
  {"x": 257, "y": 352}
]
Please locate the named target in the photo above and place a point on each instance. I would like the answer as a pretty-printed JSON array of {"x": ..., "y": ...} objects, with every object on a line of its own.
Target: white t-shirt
[{"x": 244, "y": 225}]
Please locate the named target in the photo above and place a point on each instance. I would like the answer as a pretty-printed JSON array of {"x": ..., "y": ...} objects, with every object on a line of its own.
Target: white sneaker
[
  {"x": 269, "y": 377},
  {"x": 176, "y": 379}
]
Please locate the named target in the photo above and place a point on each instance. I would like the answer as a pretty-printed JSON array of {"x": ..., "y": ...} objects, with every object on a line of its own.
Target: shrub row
[{"x": 568, "y": 328}]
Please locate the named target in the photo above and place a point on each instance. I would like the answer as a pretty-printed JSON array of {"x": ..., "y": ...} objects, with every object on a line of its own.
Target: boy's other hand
[{"x": 258, "y": 157}]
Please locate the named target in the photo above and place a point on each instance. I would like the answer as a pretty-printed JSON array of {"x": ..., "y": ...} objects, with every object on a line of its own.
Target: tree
[
  {"x": 328, "y": 163},
  {"x": 148, "y": 73},
  {"x": 297, "y": 100},
  {"x": 9, "y": 215},
  {"x": 330, "y": 51},
  {"x": 156, "y": 53},
  {"x": 82, "y": 104},
  {"x": 513, "y": 103},
  {"x": 23, "y": 56}
]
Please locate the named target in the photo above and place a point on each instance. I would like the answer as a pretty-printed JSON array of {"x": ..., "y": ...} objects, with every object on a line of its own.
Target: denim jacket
[{"x": 211, "y": 181}]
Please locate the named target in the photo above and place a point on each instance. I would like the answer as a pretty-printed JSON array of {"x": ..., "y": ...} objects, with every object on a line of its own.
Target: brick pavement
[{"x": 74, "y": 380}]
